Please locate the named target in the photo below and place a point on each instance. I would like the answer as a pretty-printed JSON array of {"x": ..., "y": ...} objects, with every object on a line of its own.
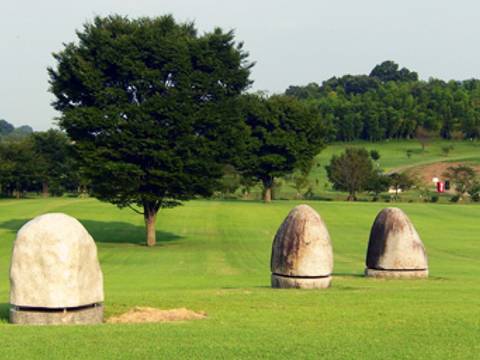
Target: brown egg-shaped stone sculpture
[
  {"x": 302, "y": 255},
  {"x": 395, "y": 249}
]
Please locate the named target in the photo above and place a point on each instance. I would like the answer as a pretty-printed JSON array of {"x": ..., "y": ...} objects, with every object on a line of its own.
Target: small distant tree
[
  {"x": 447, "y": 149},
  {"x": 474, "y": 191},
  {"x": 375, "y": 155},
  {"x": 423, "y": 136},
  {"x": 378, "y": 184},
  {"x": 351, "y": 171},
  {"x": 300, "y": 179},
  {"x": 401, "y": 181},
  {"x": 230, "y": 181},
  {"x": 284, "y": 135},
  {"x": 424, "y": 192},
  {"x": 246, "y": 185},
  {"x": 463, "y": 177},
  {"x": 301, "y": 182}
]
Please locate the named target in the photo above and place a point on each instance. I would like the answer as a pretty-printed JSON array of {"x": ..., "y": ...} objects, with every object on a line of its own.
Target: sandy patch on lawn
[{"x": 140, "y": 314}]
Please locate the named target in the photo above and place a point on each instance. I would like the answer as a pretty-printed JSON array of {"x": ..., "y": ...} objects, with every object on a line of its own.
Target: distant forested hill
[
  {"x": 7, "y": 130},
  {"x": 392, "y": 103}
]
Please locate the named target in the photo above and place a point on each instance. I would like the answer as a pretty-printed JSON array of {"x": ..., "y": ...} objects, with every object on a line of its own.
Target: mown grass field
[
  {"x": 213, "y": 256},
  {"x": 393, "y": 157}
]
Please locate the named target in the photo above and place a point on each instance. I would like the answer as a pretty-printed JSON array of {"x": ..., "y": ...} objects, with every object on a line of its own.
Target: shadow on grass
[
  {"x": 113, "y": 232},
  {"x": 4, "y": 312}
]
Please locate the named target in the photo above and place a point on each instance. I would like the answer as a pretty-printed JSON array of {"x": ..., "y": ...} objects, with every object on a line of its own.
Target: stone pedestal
[
  {"x": 84, "y": 315},
  {"x": 279, "y": 281},
  {"x": 397, "y": 274}
]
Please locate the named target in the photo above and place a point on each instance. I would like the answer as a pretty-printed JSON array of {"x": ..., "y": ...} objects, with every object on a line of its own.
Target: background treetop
[{"x": 392, "y": 103}]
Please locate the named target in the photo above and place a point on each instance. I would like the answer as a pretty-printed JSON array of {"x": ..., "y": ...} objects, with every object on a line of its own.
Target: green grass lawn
[{"x": 214, "y": 256}]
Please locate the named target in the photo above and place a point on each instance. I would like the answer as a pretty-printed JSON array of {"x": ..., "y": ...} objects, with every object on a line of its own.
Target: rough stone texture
[
  {"x": 91, "y": 315},
  {"x": 301, "y": 251},
  {"x": 397, "y": 274},
  {"x": 279, "y": 281},
  {"x": 395, "y": 250},
  {"x": 54, "y": 265}
]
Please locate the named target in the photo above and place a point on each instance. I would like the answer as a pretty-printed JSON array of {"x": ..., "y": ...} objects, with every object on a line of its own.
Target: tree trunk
[
  {"x": 351, "y": 197},
  {"x": 267, "y": 189},
  {"x": 150, "y": 210},
  {"x": 267, "y": 195},
  {"x": 17, "y": 191},
  {"x": 45, "y": 189}
]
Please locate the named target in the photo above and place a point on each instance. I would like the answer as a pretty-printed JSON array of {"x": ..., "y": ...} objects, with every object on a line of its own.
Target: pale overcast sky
[{"x": 292, "y": 42}]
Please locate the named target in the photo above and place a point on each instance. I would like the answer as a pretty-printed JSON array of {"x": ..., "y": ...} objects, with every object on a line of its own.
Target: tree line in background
[
  {"x": 40, "y": 162},
  {"x": 8, "y": 131},
  {"x": 392, "y": 103}
]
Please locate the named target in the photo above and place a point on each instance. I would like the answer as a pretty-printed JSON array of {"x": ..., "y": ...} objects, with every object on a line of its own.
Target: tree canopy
[
  {"x": 389, "y": 71},
  {"x": 392, "y": 103},
  {"x": 351, "y": 171},
  {"x": 283, "y": 135},
  {"x": 55, "y": 165},
  {"x": 7, "y": 130},
  {"x": 152, "y": 108}
]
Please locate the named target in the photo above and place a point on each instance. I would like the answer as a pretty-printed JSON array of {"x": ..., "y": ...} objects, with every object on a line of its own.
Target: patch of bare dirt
[
  {"x": 425, "y": 173},
  {"x": 141, "y": 314}
]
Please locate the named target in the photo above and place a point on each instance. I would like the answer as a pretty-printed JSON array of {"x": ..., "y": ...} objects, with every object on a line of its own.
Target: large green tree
[
  {"x": 151, "y": 106},
  {"x": 283, "y": 135}
]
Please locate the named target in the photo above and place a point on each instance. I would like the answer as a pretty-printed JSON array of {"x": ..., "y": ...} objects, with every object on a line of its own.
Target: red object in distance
[{"x": 440, "y": 187}]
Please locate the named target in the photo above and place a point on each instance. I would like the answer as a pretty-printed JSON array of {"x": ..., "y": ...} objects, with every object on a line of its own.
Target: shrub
[{"x": 455, "y": 198}]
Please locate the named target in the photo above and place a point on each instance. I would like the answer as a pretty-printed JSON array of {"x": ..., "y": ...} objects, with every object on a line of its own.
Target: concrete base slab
[
  {"x": 398, "y": 274},
  {"x": 74, "y": 316},
  {"x": 285, "y": 282}
]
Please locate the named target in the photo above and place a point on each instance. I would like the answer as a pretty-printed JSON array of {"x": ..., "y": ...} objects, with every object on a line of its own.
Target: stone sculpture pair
[{"x": 302, "y": 255}]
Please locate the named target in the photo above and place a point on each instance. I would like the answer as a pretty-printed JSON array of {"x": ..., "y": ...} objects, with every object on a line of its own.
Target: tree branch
[{"x": 137, "y": 211}]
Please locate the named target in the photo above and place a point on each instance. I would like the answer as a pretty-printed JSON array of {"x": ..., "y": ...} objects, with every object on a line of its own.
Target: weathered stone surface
[
  {"x": 84, "y": 316},
  {"x": 397, "y": 274},
  {"x": 279, "y": 281},
  {"x": 395, "y": 249},
  {"x": 302, "y": 255},
  {"x": 54, "y": 265}
]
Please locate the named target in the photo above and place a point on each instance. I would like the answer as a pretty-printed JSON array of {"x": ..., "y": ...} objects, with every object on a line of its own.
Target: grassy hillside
[
  {"x": 393, "y": 157},
  {"x": 214, "y": 257}
]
